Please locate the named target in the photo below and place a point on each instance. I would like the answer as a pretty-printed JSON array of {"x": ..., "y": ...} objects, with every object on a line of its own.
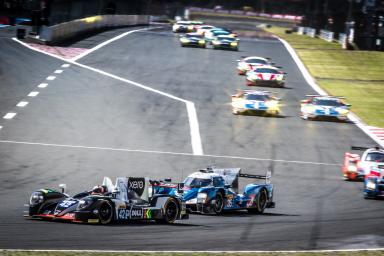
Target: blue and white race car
[
  {"x": 255, "y": 101},
  {"x": 214, "y": 190},
  {"x": 324, "y": 106},
  {"x": 374, "y": 183}
]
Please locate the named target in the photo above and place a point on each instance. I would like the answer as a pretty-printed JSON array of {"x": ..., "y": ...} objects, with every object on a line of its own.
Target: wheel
[
  {"x": 261, "y": 202},
  {"x": 105, "y": 212},
  {"x": 171, "y": 211},
  {"x": 219, "y": 203}
]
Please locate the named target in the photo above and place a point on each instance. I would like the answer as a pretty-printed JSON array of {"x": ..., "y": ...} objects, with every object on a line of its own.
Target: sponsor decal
[
  {"x": 67, "y": 203},
  {"x": 137, "y": 185},
  {"x": 147, "y": 214},
  {"x": 125, "y": 214},
  {"x": 93, "y": 220},
  {"x": 251, "y": 201},
  {"x": 229, "y": 202}
]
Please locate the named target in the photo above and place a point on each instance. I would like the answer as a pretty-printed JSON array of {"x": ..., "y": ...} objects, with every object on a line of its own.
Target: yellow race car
[{"x": 255, "y": 101}]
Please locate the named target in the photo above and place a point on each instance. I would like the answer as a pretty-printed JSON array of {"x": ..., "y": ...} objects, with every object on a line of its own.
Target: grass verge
[{"x": 357, "y": 75}]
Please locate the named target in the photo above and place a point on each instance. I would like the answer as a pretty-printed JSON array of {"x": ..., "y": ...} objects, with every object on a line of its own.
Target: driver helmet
[{"x": 99, "y": 189}]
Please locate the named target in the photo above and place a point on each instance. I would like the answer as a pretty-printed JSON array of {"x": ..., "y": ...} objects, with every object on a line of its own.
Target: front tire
[
  {"x": 105, "y": 212},
  {"x": 171, "y": 211},
  {"x": 219, "y": 203}
]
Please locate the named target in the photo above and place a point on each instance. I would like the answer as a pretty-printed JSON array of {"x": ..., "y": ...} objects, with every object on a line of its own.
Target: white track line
[
  {"x": 33, "y": 94},
  {"x": 193, "y": 252},
  {"x": 51, "y": 78},
  {"x": 65, "y": 65},
  {"x": 108, "y": 42},
  {"x": 160, "y": 152},
  {"x": 22, "y": 104},
  {"x": 309, "y": 79},
  {"x": 42, "y": 85},
  {"x": 9, "y": 115},
  {"x": 197, "y": 147},
  {"x": 58, "y": 71}
]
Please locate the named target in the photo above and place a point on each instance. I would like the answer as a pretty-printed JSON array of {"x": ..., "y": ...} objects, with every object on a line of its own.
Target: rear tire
[
  {"x": 171, "y": 211},
  {"x": 261, "y": 202},
  {"x": 105, "y": 212}
]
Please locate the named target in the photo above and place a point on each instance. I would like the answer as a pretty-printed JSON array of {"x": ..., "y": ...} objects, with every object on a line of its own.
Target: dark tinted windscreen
[
  {"x": 256, "y": 61},
  {"x": 196, "y": 182},
  {"x": 260, "y": 97},
  {"x": 267, "y": 70},
  {"x": 332, "y": 103},
  {"x": 375, "y": 157}
]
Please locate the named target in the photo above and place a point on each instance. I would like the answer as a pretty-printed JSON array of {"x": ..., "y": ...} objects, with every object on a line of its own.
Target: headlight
[
  {"x": 215, "y": 42},
  {"x": 343, "y": 111},
  {"x": 201, "y": 198},
  {"x": 84, "y": 204},
  {"x": 36, "y": 198},
  {"x": 272, "y": 105},
  {"x": 201, "y": 42},
  {"x": 184, "y": 40},
  {"x": 234, "y": 44},
  {"x": 371, "y": 185},
  {"x": 352, "y": 168},
  {"x": 192, "y": 201}
]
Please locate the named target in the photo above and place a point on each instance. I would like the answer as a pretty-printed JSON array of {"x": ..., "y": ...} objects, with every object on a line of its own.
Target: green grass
[
  {"x": 42, "y": 253},
  {"x": 357, "y": 75}
]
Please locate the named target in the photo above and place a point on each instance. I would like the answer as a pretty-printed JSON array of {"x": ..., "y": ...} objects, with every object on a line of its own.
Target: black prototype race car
[{"x": 130, "y": 198}]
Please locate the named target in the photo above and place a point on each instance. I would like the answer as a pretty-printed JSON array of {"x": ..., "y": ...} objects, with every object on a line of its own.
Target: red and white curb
[
  {"x": 378, "y": 132},
  {"x": 63, "y": 52}
]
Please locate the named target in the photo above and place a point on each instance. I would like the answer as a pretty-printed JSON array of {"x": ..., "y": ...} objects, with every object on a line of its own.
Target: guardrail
[
  {"x": 310, "y": 31},
  {"x": 76, "y": 27},
  {"x": 326, "y": 35},
  {"x": 248, "y": 13}
]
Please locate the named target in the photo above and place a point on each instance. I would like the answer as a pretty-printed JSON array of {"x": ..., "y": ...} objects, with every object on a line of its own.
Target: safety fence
[{"x": 326, "y": 35}]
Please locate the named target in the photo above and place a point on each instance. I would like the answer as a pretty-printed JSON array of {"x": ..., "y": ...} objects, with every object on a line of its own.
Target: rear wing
[
  {"x": 266, "y": 177},
  {"x": 364, "y": 148}
]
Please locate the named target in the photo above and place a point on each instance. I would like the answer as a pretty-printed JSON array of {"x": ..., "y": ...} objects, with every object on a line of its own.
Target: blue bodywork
[{"x": 374, "y": 187}]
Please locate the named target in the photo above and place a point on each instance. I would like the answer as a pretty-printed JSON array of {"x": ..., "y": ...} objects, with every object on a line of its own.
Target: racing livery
[
  {"x": 225, "y": 42},
  {"x": 192, "y": 39},
  {"x": 128, "y": 199},
  {"x": 214, "y": 190},
  {"x": 324, "y": 106},
  {"x": 374, "y": 183},
  {"x": 358, "y": 168},
  {"x": 249, "y": 63},
  {"x": 265, "y": 76},
  {"x": 202, "y": 29},
  {"x": 181, "y": 26},
  {"x": 210, "y": 35},
  {"x": 255, "y": 101}
]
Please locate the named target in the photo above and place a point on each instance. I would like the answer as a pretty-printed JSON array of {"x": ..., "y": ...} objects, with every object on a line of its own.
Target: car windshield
[
  {"x": 261, "y": 97},
  {"x": 324, "y": 102},
  {"x": 196, "y": 182},
  {"x": 267, "y": 70},
  {"x": 375, "y": 157},
  {"x": 256, "y": 61},
  {"x": 194, "y": 36},
  {"x": 220, "y": 32}
]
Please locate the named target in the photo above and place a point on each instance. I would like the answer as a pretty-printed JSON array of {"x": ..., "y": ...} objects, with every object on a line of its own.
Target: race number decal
[
  {"x": 67, "y": 203},
  {"x": 126, "y": 214}
]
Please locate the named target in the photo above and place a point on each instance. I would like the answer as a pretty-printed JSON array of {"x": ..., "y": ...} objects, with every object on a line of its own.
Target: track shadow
[
  {"x": 329, "y": 120},
  {"x": 245, "y": 214},
  {"x": 262, "y": 114}
]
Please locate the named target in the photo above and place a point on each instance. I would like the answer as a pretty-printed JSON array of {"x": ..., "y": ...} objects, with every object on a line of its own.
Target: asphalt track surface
[{"x": 315, "y": 208}]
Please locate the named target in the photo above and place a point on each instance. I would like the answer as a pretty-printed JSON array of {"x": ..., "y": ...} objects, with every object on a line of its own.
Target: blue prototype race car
[
  {"x": 214, "y": 191},
  {"x": 374, "y": 183}
]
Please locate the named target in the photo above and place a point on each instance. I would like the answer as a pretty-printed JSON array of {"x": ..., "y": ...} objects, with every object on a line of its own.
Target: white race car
[
  {"x": 266, "y": 76},
  {"x": 249, "y": 63}
]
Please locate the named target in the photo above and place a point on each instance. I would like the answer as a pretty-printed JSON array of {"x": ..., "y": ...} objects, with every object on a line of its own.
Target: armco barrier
[
  {"x": 310, "y": 31},
  {"x": 73, "y": 28},
  {"x": 326, "y": 35}
]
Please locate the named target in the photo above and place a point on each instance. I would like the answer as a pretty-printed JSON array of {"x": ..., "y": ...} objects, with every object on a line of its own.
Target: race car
[
  {"x": 181, "y": 26},
  {"x": 214, "y": 190},
  {"x": 128, "y": 199},
  {"x": 192, "y": 39},
  {"x": 203, "y": 28},
  {"x": 225, "y": 42},
  {"x": 255, "y": 101},
  {"x": 249, "y": 63},
  {"x": 265, "y": 76},
  {"x": 210, "y": 35},
  {"x": 358, "y": 168},
  {"x": 317, "y": 106},
  {"x": 374, "y": 183}
]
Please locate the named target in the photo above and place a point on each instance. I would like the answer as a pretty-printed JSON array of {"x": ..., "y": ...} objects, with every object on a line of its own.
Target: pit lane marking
[
  {"x": 42, "y": 85},
  {"x": 10, "y": 115},
  {"x": 197, "y": 147},
  {"x": 58, "y": 71},
  {"x": 22, "y": 104},
  {"x": 33, "y": 94},
  {"x": 162, "y": 152},
  {"x": 51, "y": 78}
]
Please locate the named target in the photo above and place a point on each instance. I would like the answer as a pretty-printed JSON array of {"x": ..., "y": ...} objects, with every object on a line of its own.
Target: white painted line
[
  {"x": 1, "y": 127},
  {"x": 42, "y": 85},
  {"x": 9, "y": 115},
  {"x": 59, "y": 71},
  {"x": 22, "y": 104},
  {"x": 51, "y": 78},
  {"x": 33, "y": 94},
  {"x": 65, "y": 65},
  {"x": 192, "y": 116},
  {"x": 108, "y": 42},
  {"x": 309, "y": 79},
  {"x": 163, "y": 152}
]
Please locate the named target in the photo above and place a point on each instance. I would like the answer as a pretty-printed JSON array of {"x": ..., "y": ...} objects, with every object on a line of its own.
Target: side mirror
[
  {"x": 304, "y": 101},
  {"x": 63, "y": 187},
  {"x": 167, "y": 179},
  {"x": 180, "y": 187}
]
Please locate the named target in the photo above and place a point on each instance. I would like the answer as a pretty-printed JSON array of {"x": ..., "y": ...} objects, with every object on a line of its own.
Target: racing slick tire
[
  {"x": 105, "y": 212},
  {"x": 171, "y": 211},
  {"x": 219, "y": 203},
  {"x": 261, "y": 202}
]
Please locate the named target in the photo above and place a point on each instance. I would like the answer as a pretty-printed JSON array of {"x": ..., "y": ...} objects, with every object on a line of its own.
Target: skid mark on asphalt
[{"x": 160, "y": 152}]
